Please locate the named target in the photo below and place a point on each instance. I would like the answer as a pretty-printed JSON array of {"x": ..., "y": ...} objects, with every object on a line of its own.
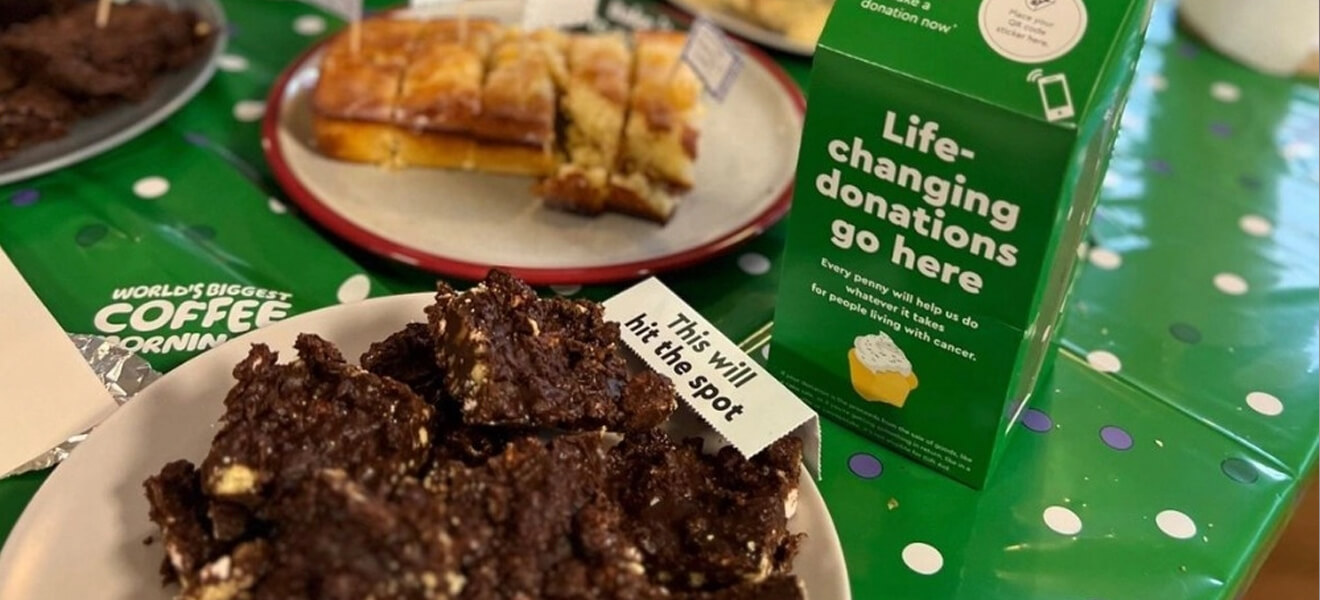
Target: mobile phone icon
[{"x": 1055, "y": 97}]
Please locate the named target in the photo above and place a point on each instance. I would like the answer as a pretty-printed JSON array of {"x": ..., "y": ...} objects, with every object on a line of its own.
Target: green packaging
[{"x": 951, "y": 159}]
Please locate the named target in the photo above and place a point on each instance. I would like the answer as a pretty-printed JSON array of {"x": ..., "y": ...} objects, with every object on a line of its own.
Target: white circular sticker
[{"x": 1032, "y": 31}]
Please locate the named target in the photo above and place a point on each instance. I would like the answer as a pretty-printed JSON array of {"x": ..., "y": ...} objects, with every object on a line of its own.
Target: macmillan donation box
[{"x": 951, "y": 159}]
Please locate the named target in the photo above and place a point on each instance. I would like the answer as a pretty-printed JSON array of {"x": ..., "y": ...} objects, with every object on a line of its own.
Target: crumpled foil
[{"x": 122, "y": 372}]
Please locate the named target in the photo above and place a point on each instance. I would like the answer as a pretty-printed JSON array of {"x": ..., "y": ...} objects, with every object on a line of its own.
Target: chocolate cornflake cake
[
  {"x": 707, "y": 521},
  {"x": 283, "y": 421},
  {"x": 390, "y": 481},
  {"x": 61, "y": 65},
  {"x": 408, "y": 356},
  {"x": 535, "y": 522},
  {"x": 512, "y": 358},
  {"x": 776, "y": 587},
  {"x": 179, "y": 507},
  {"x": 336, "y": 538}
]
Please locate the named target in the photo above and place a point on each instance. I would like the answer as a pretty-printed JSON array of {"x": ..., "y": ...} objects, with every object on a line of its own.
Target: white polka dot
[
  {"x": 1231, "y": 284},
  {"x": 1255, "y": 225},
  {"x": 354, "y": 288},
  {"x": 1105, "y": 258},
  {"x": 1082, "y": 250},
  {"x": 1157, "y": 82},
  {"x": 249, "y": 110},
  {"x": 923, "y": 558},
  {"x": 1175, "y": 524},
  {"x": 1062, "y": 520},
  {"x": 276, "y": 206},
  {"x": 1104, "y": 361},
  {"x": 309, "y": 25},
  {"x": 151, "y": 187},
  {"x": 1265, "y": 404},
  {"x": 1224, "y": 91},
  {"x": 566, "y": 290},
  {"x": 232, "y": 63},
  {"x": 753, "y": 263}
]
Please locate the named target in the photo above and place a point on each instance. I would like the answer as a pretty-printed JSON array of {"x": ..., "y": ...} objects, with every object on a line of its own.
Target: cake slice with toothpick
[
  {"x": 440, "y": 96},
  {"x": 356, "y": 94},
  {"x": 594, "y": 105},
  {"x": 516, "y": 129},
  {"x": 660, "y": 137}
]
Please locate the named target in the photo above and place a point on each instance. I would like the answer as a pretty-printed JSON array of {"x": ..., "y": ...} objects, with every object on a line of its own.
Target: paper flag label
[
  {"x": 716, "y": 379},
  {"x": 432, "y": 3},
  {"x": 558, "y": 13},
  {"x": 348, "y": 10},
  {"x": 713, "y": 57}
]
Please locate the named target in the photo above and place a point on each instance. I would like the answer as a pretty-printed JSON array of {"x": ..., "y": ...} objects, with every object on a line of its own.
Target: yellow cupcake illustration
[{"x": 880, "y": 371}]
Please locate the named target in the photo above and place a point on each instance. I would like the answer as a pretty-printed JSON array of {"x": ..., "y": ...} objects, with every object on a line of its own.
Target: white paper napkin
[{"x": 47, "y": 390}]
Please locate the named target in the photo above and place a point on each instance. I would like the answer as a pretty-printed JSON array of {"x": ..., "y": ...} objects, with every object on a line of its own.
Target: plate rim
[
  {"x": 745, "y": 30},
  {"x": 344, "y": 228},
  {"x": 137, "y": 128},
  {"x": 832, "y": 553}
]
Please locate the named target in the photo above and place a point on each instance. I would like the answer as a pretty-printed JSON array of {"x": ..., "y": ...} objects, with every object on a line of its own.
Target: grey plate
[{"x": 92, "y": 136}]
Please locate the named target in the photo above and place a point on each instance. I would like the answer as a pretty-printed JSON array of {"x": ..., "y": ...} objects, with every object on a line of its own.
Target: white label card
[
  {"x": 713, "y": 57},
  {"x": 558, "y": 13},
  {"x": 729, "y": 391}
]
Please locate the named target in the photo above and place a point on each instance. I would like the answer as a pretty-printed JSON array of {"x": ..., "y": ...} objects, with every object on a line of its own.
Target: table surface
[{"x": 1160, "y": 459}]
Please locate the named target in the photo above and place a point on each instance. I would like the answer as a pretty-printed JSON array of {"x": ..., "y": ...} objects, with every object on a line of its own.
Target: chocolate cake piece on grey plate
[
  {"x": 512, "y": 358},
  {"x": 705, "y": 522}
]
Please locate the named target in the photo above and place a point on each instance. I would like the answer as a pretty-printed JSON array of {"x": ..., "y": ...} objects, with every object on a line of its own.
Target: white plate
[
  {"x": 747, "y": 29},
  {"x": 92, "y": 136},
  {"x": 461, "y": 224},
  {"x": 82, "y": 535}
]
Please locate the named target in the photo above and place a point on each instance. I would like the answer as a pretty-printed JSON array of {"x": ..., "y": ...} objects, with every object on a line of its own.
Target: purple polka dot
[
  {"x": 865, "y": 466},
  {"x": 24, "y": 197},
  {"x": 1188, "y": 50},
  {"x": 1116, "y": 437},
  {"x": 1221, "y": 129},
  {"x": 1036, "y": 420},
  {"x": 1159, "y": 166}
]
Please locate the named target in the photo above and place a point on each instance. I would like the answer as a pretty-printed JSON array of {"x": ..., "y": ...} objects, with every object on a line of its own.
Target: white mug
[{"x": 1272, "y": 36}]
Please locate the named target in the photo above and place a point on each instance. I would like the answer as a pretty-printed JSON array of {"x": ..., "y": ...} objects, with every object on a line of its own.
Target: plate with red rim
[
  {"x": 461, "y": 224},
  {"x": 82, "y": 535}
]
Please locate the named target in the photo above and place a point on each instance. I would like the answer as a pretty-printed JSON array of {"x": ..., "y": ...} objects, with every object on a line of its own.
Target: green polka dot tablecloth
[{"x": 1166, "y": 448}]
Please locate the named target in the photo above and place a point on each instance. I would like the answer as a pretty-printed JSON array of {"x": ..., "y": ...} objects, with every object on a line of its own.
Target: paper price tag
[
  {"x": 424, "y": 4},
  {"x": 558, "y": 13},
  {"x": 716, "y": 379},
  {"x": 348, "y": 10},
  {"x": 714, "y": 58}
]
